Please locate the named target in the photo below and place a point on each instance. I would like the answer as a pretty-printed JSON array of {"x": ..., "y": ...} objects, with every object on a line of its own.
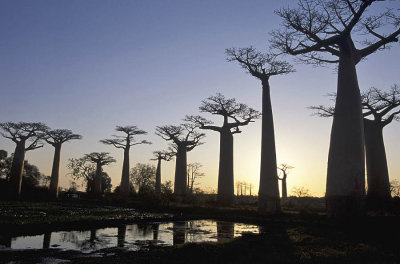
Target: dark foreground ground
[{"x": 289, "y": 238}]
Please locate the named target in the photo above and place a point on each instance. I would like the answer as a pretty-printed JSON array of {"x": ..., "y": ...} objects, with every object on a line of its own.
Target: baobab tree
[
  {"x": 125, "y": 142},
  {"x": 21, "y": 133},
  {"x": 56, "y": 138},
  {"x": 185, "y": 137},
  {"x": 380, "y": 108},
  {"x": 284, "y": 168},
  {"x": 263, "y": 66},
  {"x": 100, "y": 159},
  {"x": 234, "y": 116},
  {"x": 159, "y": 156},
  {"x": 342, "y": 32}
]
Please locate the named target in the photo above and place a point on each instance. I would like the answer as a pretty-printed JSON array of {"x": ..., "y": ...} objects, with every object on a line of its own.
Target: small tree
[
  {"x": 56, "y": 138},
  {"x": 193, "y": 174},
  {"x": 234, "y": 116},
  {"x": 125, "y": 142},
  {"x": 185, "y": 138},
  {"x": 143, "y": 176},
  {"x": 284, "y": 168},
  {"x": 100, "y": 159},
  {"x": 83, "y": 169},
  {"x": 263, "y": 67},
  {"x": 21, "y": 133},
  {"x": 159, "y": 156},
  {"x": 301, "y": 192}
]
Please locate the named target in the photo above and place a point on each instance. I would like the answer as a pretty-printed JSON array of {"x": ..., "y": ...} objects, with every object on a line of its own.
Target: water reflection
[
  {"x": 121, "y": 236},
  {"x": 155, "y": 228},
  {"x": 46, "y": 240},
  {"x": 225, "y": 231},
  {"x": 132, "y": 237},
  {"x": 179, "y": 232}
]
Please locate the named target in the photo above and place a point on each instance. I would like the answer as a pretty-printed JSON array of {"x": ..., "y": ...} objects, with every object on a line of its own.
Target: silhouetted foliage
[
  {"x": 380, "y": 108},
  {"x": 56, "y": 138},
  {"x": 125, "y": 142},
  {"x": 83, "y": 169},
  {"x": 284, "y": 171},
  {"x": 193, "y": 174},
  {"x": 329, "y": 31},
  {"x": 185, "y": 138},
  {"x": 234, "y": 116},
  {"x": 143, "y": 176},
  {"x": 100, "y": 159},
  {"x": 263, "y": 66},
  {"x": 21, "y": 133},
  {"x": 31, "y": 178},
  {"x": 159, "y": 156}
]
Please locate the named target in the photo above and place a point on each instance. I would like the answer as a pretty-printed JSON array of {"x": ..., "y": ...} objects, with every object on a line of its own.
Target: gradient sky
[{"x": 91, "y": 65}]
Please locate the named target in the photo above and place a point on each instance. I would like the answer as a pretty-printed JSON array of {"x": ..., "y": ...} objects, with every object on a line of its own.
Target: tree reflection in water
[{"x": 225, "y": 231}]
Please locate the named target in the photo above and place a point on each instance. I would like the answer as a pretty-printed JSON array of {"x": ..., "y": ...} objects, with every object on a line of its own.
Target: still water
[{"x": 132, "y": 236}]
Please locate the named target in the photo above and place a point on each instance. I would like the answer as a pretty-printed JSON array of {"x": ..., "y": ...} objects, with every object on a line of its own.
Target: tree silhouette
[
  {"x": 185, "y": 138},
  {"x": 21, "y": 133},
  {"x": 324, "y": 32},
  {"x": 56, "y": 138},
  {"x": 159, "y": 156},
  {"x": 234, "y": 116},
  {"x": 380, "y": 108},
  {"x": 100, "y": 159},
  {"x": 193, "y": 173},
  {"x": 125, "y": 142},
  {"x": 263, "y": 66},
  {"x": 143, "y": 176},
  {"x": 284, "y": 168}
]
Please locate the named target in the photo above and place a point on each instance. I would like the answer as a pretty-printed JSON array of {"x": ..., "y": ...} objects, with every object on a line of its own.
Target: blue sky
[{"x": 91, "y": 65}]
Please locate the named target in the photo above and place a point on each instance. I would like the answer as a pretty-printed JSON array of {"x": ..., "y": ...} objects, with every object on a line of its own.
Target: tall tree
[
  {"x": 185, "y": 138},
  {"x": 100, "y": 159},
  {"x": 329, "y": 31},
  {"x": 380, "y": 108},
  {"x": 21, "y": 133},
  {"x": 284, "y": 168},
  {"x": 56, "y": 138},
  {"x": 159, "y": 156},
  {"x": 234, "y": 116},
  {"x": 125, "y": 142},
  {"x": 263, "y": 66}
]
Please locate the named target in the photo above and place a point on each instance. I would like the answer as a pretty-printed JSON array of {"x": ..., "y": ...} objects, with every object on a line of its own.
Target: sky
[{"x": 91, "y": 65}]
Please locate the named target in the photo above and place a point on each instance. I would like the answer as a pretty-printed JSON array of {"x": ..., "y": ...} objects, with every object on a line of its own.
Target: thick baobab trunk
[
  {"x": 17, "y": 169},
  {"x": 158, "y": 177},
  {"x": 180, "y": 171},
  {"x": 377, "y": 169},
  {"x": 97, "y": 179},
  {"x": 345, "y": 185},
  {"x": 284, "y": 188},
  {"x": 124, "y": 187},
  {"x": 55, "y": 172},
  {"x": 225, "y": 174},
  {"x": 268, "y": 194}
]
